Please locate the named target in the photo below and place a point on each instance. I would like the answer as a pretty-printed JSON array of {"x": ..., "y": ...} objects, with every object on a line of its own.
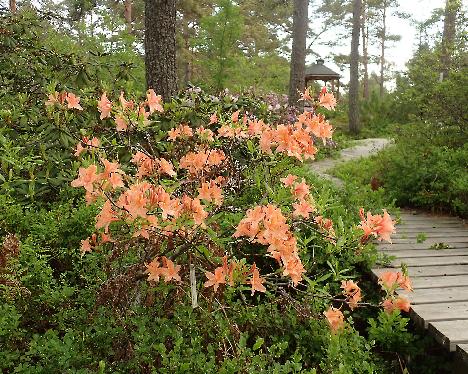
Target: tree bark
[
  {"x": 451, "y": 9},
  {"x": 354, "y": 70},
  {"x": 128, "y": 14},
  {"x": 365, "y": 55},
  {"x": 13, "y": 6},
  {"x": 160, "y": 46},
  {"x": 383, "y": 37},
  {"x": 298, "y": 53}
]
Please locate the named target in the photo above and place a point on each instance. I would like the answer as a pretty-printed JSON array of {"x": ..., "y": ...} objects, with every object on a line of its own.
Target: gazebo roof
[{"x": 320, "y": 71}]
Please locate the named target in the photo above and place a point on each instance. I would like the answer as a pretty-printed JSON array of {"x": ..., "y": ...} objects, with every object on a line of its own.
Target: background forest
[{"x": 75, "y": 300}]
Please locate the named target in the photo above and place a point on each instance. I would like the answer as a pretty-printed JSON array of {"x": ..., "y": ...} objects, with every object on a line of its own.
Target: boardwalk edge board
[{"x": 435, "y": 251}]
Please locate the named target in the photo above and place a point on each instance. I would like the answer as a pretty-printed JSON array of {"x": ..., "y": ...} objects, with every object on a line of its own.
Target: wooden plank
[
  {"x": 423, "y": 314},
  {"x": 436, "y": 295},
  {"x": 435, "y": 282},
  {"x": 429, "y": 235},
  {"x": 430, "y": 261},
  {"x": 430, "y": 271},
  {"x": 450, "y": 333},
  {"x": 412, "y": 253},
  {"x": 448, "y": 240},
  {"x": 405, "y": 246},
  {"x": 438, "y": 230},
  {"x": 407, "y": 218},
  {"x": 462, "y": 351}
]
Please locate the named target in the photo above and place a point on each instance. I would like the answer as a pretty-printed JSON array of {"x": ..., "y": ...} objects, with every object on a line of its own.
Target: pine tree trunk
[
  {"x": 298, "y": 53},
  {"x": 128, "y": 14},
  {"x": 13, "y": 6},
  {"x": 160, "y": 46},
  {"x": 365, "y": 55},
  {"x": 451, "y": 9},
  {"x": 383, "y": 37},
  {"x": 354, "y": 70}
]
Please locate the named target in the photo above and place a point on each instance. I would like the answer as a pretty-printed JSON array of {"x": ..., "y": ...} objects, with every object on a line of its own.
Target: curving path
[
  {"x": 361, "y": 148},
  {"x": 435, "y": 250}
]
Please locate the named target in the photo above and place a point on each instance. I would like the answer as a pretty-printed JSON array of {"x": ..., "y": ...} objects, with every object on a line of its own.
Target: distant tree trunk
[
  {"x": 13, "y": 6},
  {"x": 298, "y": 53},
  {"x": 451, "y": 9},
  {"x": 128, "y": 14},
  {"x": 365, "y": 55},
  {"x": 383, "y": 37},
  {"x": 160, "y": 46},
  {"x": 354, "y": 70}
]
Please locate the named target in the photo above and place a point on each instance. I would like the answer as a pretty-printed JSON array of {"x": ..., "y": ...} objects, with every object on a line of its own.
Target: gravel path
[{"x": 362, "y": 148}]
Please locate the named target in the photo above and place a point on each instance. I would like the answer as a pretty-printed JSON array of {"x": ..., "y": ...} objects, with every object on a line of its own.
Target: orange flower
[
  {"x": 256, "y": 281},
  {"x": 94, "y": 142},
  {"x": 73, "y": 101},
  {"x": 400, "y": 303},
  {"x": 327, "y": 100},
  {"x": 104, "y": 106},
  {"x": 301, "y": 190},
  {"x": 216, "y": 279},
  {"x": 85, "y": 246},
  {"x": 154, "y": 270},
  {"x": 306, "y": 95},
  {"x": 379, "y": 226},
  {"x": 213, "y": 118},
  {"x": 209, "y": 191},
  {"x": 146, "y": 164},
  {"x": 112, "y": 173},
  {"x": 335, "y": 319},
  {"x": 405, "y": 282},
  {"x": 389, "y": 280},
  {"x": 289, "y": 180},
  {"x": 165, "y": 167},
  {"x": 235, "y": 116},
  {"x": 87, "y": 178},
  {"x": 154, "y": 101},
  {"x": 170, "y": 271},
  {"x": 125, "y": 104},
  {"x": 106, "y": 217},
  {"x": 121, "y": 123},
  {"x": 302, "y": 209},
  {"x": 52, "y": 99},
  {"x": 353, "y": 293}
]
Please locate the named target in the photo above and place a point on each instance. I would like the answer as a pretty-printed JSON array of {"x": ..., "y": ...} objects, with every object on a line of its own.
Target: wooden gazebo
[{"x": 319, "y": 72}]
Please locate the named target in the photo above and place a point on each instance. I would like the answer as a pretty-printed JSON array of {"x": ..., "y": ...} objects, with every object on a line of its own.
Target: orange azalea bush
[{"x": 167, "y": 196}]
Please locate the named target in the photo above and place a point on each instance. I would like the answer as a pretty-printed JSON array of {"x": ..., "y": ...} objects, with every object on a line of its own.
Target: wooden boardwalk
[{"x": 435, "y": 249}]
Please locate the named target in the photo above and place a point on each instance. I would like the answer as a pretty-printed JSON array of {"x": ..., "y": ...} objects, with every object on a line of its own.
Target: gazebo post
[{"x": 337, "y": 89}]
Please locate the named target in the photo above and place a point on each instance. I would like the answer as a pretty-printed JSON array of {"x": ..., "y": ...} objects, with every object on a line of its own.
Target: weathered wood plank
[
  {"x": 417, "y": 220},
  {"x": 448, "y": 240},
  {"x": 450, "y": 333},
  {"x": 438, "y": 230},
  {"x": 423, "y": 314},
  {"x": 405, "y": 246},
  {"x": 462, "y": 351},
  {"x": 412, "y": 253},
  {"x": 430, "y": 235},
  {"x": 430, "y": 271},
  {"x": 436, "y": 295},
  {"x": 436, "y": 282},
  {"x": 430, "y": 261}
]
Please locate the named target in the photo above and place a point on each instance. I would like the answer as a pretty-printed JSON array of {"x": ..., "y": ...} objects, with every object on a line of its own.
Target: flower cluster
[
  {"x": 304, "y": 204},
  {"x": 379, "y": 226},
  {"x": 266, "y": 225},
  {"x": 390, "y": 282},
  {"x": 352, "y": 292}
]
